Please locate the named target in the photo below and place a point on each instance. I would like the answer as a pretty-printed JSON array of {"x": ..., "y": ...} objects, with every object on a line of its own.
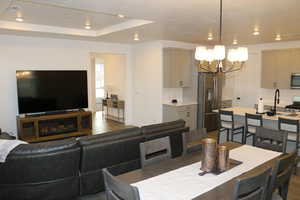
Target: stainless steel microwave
[{"x": 295, "y": 80}]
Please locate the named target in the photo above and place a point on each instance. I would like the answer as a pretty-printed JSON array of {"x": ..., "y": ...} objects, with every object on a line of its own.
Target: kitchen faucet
[{"x": 276, "y": 100}]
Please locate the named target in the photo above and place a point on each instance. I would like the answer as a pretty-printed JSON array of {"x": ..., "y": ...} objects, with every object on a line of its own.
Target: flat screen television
[{"x": 46, "y": 91}]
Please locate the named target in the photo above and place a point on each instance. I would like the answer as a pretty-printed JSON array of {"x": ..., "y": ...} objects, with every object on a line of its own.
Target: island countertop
[{"x": 241, "y": 111}]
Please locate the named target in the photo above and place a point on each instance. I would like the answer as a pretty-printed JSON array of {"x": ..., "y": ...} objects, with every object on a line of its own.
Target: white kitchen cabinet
[
  {"x": 277, "y": 67},
  {"x": 177, "y": 67},
  {"x": 186, "y": 112}
]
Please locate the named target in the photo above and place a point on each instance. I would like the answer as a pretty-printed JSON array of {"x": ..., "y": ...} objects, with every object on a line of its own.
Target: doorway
[{"x": 108, "y": 75}]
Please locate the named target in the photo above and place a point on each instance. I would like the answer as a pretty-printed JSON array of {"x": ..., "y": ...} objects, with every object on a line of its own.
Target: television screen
[{"x": 42, "y": 91}]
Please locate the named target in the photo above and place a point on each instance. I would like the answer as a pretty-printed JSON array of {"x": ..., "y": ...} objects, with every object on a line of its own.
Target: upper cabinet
[
  {"x": 277, "y": 67},
  {"x": 177, "y": 67}
]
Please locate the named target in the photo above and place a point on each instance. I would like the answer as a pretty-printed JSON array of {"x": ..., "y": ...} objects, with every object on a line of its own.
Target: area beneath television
[{"x": 49, "y": 127}]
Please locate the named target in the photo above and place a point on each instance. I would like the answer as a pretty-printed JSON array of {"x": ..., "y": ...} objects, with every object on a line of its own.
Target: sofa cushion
[
  {"x": 31, "y": 171},
  {"x": 166, "y": 126},
  {"x": 110, "y": 136},
  {"x": 119, "y": 149}
]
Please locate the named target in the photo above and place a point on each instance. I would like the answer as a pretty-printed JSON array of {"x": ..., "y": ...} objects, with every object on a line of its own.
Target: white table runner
[{"x": 185, "y": 183}]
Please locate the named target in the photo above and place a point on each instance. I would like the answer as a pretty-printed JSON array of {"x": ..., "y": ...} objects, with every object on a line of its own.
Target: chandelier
[{"x": 214, "y": 60}]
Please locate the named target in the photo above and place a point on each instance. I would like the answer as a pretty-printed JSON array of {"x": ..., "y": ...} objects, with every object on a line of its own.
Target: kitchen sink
[{"x": 288, "y": 114}]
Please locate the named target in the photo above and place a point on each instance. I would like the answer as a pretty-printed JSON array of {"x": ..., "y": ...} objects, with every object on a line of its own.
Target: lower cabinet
[{"x": 186, "y": 112}]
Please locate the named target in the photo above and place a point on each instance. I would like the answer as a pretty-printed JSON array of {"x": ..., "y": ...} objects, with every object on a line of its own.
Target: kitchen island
[
  {"x": 241, "y": 111},
  {"x": 270, "y": 122}
]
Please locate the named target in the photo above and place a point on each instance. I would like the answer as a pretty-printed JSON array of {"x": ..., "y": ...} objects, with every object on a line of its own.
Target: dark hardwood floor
[
  {"x": 102, "y": 125},
  {"x": 294, "y": 189}
]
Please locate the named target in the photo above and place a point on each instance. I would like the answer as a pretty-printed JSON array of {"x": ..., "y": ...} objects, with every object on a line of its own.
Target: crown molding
[{"x": 17, "y": 26}]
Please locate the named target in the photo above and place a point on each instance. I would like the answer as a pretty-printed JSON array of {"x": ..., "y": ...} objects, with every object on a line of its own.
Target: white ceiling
[{"x": 188, "y": 21}]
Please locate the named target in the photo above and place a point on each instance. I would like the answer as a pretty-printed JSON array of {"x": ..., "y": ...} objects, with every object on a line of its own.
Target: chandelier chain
[{"x": 221, "y": 21}]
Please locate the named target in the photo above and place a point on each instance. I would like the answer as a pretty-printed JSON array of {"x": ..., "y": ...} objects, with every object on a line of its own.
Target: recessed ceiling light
[
  {"x": 19, "y": 19},
  {"x": 136, "y": 37},
  {"x": 278, "y": 37},
  {"x": 210, "y": 36},
  {"x": 121, "y": 16},
  {"x": 235, "y": 41},
  {"x": 88, "y": 26},
  {"x": 256, "y": 33}
]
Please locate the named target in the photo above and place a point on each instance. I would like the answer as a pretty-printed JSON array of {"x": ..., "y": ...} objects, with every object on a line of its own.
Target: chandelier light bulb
[
  {"x": 210, "y": 55},
  {"x": 231, "y": 56},
  {"x": 219, "y": 52},
  {"x": 201, "y": 53},
  {"x": 235, "y": 41}
]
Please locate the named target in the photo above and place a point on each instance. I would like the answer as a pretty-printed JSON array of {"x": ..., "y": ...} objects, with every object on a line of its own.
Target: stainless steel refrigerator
[{"x": 209, "y": 99}]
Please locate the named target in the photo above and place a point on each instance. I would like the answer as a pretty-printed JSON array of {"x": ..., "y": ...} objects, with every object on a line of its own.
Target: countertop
[
  {"x": 241, "y": 111},
  {"x": 180, "y": 103}
]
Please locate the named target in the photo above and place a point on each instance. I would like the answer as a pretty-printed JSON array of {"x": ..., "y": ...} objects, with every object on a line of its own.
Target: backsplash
[
  {"x": 172, "y": 93},
  {"x": 286, "y": 95}
]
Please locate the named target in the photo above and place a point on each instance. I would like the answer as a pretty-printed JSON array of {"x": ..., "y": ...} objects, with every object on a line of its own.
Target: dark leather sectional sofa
[{"x": 70, "y": 169}]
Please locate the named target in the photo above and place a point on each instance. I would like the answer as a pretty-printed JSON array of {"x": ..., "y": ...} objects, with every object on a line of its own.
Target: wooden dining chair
[
  {"x": 117, "y": 190},
  {"x": 252, "y": 121},
  {"x": 252, "y": 187},
  {"x": 192, "y": 140},
  {"x": 281, "y": 176},
  {"x": 270, "y": 139},
  {"x": 227, "y": 124},
  {"x": 155, "y": 150}
]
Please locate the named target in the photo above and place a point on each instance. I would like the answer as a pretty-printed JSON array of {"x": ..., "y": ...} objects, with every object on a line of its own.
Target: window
[{"x": 100, "y": 92}]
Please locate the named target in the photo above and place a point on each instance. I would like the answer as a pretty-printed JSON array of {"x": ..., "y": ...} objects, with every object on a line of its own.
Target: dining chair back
[
  {"x": 281, "y": 175},
  {"x": 227, "y": 124},
  {"x": 192, "y": 140},
  {"x": 252, "y": 121},
  {"x": 252, "y": 187},
  {"x": 117, "y": 190},
  {"x": 226, "y": 119},
  {"x": 270, "y": 139},
  {"x": 155, "y": 150},
  {"x": 292, "y": 127}
]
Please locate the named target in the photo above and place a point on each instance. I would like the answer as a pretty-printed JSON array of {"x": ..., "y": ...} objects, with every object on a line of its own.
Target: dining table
[{"x": 168, "y": 179}]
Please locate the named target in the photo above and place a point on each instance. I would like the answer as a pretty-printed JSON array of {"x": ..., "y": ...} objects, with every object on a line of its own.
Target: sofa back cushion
[
  {"x": 172, "y": 129},
  {"x": 47, "y": 170},
  {"x": 120, "y": 148}
]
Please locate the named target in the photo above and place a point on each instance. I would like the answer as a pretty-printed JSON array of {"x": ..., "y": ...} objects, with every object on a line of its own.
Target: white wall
[
  {"x": 246, "y": 83},
  {"x": 18, "y": 53},
  {"x": 147, "y": 83}
]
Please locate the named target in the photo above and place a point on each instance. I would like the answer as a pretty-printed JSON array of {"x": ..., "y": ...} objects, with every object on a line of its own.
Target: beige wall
[
  {"x": 246, "y": 83},
  {"x": 114, "y": 72}
]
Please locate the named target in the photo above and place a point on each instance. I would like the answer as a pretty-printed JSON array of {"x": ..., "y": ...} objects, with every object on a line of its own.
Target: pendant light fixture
[{"x": 215, "y": 60}]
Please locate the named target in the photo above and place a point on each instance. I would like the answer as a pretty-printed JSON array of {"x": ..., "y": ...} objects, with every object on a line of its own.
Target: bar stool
[
  {"x": 121, "y": 107},
  {"x": 252, "y": 122},
  {"x": 292, "y": 127},
  {"x": 110, "y": 105},
  {"x": 226, "y": 123}
]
